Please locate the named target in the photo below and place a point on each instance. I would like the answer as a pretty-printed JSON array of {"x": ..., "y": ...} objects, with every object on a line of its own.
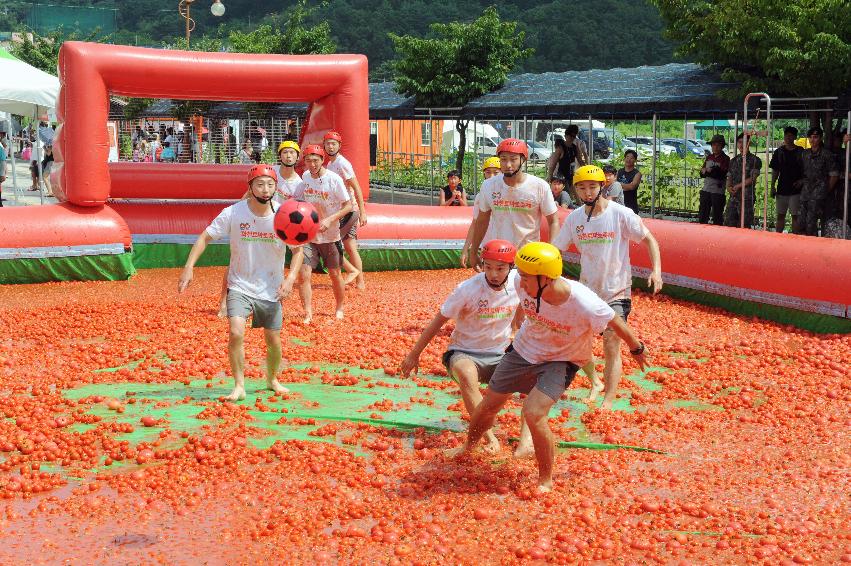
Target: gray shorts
[
  {"x": 349, "y": 226},
  {"x": 788, "y": 203},
  {"x": 329, "y": 253},
  {"x": 485, "y": 363},
  {"x": 622, "y": 307},
  {"x": 265, "y": 314},
  {"x": 515, "y": 375}
]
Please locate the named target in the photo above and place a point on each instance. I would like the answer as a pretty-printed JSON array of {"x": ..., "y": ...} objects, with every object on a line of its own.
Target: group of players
[{"x": 554, "y": 320}]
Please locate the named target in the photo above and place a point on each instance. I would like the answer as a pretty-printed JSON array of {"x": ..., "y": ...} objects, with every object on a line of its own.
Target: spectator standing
[
  {"x": 612, "y": 189},
  {"x": 786, "y": 173},
  {"x": 630, "y": 177},
  {"x": 713, "y": 195},
  {"x": 46, "y": 165},
  {"x": 452, "y": 194},
  {"x": 737, "y": 186},
  {"x": 820, "y": 178},
  {"x": 45, "y": 133},
  {"x": 246, "y": 154},
  {"x": 836, "y": 212},
  {"x": 568, "y": 153},
  {"x": 5, "y": 150}
]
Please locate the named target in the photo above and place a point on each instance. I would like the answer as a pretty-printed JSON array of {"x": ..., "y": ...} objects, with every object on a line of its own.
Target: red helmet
[
  {"x": 513, "y": 145},
  {"x": 333, "y": 135},
  {"x": 499, "y": 250},
  {"x": 314, "y": 149},
  {"x": 261, "y": 170}
]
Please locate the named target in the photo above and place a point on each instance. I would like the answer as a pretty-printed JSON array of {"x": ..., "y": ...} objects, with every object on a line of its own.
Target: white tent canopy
[{"x": 25, "y": 90}]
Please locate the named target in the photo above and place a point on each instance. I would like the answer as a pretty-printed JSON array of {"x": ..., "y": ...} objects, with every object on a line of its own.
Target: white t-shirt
[
  {"x": 561, "y": 333},
  {"x": 328, "y": 194},
  {"x": 515, "y": 211},
  {"x": 343, "y": 167},
  {"x": 286, "y": 187},
  {"x": 482, "y": 315},
  {"x": 604, "y": 247},
  {"x": 256, "y": 253}
]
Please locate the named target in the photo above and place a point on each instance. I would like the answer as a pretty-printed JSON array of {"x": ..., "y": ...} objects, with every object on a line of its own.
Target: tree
[
  {"x": 460, "y": 62},
  {"x": 42, "y": 51},
  {"x": 793, "y": 48},
  {"x": 286, "y": 35}
]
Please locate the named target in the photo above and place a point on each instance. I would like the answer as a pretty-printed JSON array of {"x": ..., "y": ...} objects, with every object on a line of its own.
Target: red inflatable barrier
[
  {"x": 61, "y": 225},
  {"x": 335, "y": 85},
  {"x": 177, "y": 181}
]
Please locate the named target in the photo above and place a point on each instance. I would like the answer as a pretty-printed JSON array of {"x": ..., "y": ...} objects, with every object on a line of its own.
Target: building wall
[{"x": 410, "y": 139}]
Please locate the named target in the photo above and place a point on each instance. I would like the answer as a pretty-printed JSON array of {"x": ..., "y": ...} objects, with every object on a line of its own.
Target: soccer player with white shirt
[
  {"x": 256, "y": 282},
  {"x": 288, "y": 182},
  {"x": 490, "y": 168},
  {"x": 601, "y": 231},
  {"x": 483, "y": 308},
  {"x": 357, "y": 217},
  {"x": 327, "y": 192},
  {"x": 562, "y": 317},
  {"x": 510, "y": 205}
]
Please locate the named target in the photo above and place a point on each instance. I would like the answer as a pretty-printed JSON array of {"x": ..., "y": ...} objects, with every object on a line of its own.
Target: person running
[
  {"x": 602, "y": 230},
  {"x": 288, "y": 181},
  {"x": 562, "y": 317},
  {"x": 256, "y": 282},
  {"x": 327, "y": 192},
  {"x": 630, "y": 177},
  {"x": 483, "y": 308},
  {"x": 510, "y": 205},
  {"x": 332, "y": 141}
]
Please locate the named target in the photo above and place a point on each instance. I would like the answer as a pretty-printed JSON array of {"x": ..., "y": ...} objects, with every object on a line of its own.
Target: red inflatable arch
[{"x": 335, "y": 85}]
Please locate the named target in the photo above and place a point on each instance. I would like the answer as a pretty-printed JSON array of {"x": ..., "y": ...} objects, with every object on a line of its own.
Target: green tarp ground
[
  {"x": 115, "y": 267},
  {"x": 377, "y": 399}
]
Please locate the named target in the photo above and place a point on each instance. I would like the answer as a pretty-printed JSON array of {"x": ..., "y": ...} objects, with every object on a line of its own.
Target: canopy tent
[{"x": 25, "y": 90}]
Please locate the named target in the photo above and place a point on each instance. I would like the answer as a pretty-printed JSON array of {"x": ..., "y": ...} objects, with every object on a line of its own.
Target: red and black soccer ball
[{"x": 296, "y": 222}]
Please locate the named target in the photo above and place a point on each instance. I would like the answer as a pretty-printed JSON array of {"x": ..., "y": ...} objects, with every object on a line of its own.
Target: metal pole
[
  {"x": 392, "y": 188},
  {"x": 652, "y": 175},
  {"x": 735, "y": 135},
  {"x": 431, "y": 155},
  {"x": 526, "y": 130},
  {"x": 767, "y": 161},
  {"x": 745, "y": 146},
  {"x": 475, "y": 152},
  {"x": 847, "y": 160},
  {"x": 590, "y": 147},
  {"x": 686, "y": 187}
]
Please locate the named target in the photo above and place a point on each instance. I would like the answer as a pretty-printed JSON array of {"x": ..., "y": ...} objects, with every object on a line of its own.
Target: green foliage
[
  {"x": 798, "y": 48},
  {"x": 286, "y": 34},
  {"x": 43, "y": 51},
  {"x": 125, "y": 147},
  {"x": 460, "y": 62}
]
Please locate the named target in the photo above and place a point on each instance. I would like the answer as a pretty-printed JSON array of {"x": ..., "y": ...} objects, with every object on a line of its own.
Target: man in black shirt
[{"x": 786, "y": 174}]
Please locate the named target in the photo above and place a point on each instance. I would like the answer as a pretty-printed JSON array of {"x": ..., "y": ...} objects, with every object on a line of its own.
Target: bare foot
[
  {"x": 491, "y": 445},
  {"x": 339, "y": 314},
  {"x": 596, "y": 389},
  {"x": 524, "y": 451},
  {"x": 607, "y": 405},
  {"x": 238, "y": 394},
  {"x": 361, "y": 282},
  {"x": 545, "y": 486},
  {"x": 458, "y": 452},
  {"x": 308, "y": 318},
  {"x": 223, "y": 310},
  {"x": 276, "y": 386},
  {"x": 350, "y": 277}
]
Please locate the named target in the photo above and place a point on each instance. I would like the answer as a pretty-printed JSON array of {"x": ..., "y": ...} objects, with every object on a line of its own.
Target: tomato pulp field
[{"x": 114, "y": 447}]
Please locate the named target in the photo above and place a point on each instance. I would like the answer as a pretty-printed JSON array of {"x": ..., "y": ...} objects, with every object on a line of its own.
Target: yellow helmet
[
  {"x": 539, "y": 258},
  {"x": 589, "y": 173},
  {"x": 289, "y": 145},
  {"x": 490, "y": 162}
]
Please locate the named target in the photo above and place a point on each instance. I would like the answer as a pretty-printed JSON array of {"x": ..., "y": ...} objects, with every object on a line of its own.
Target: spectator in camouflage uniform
[
  {"x": 736, "y": 186},
  {"x": 835, "y": 212},
  {"x": 820, "y": 178}
]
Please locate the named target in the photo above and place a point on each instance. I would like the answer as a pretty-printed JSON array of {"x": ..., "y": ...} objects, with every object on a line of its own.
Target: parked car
[
  {"x": 538, "y": 151},
  {"x": 642, "y": 149},
  {"x": 487, "y": 145},
  {"x": 662, "y": 148},
  {"x": 602, "y": 144},
  {"x": 684, "y": 146},
  {"x": 707, "y": 148}
]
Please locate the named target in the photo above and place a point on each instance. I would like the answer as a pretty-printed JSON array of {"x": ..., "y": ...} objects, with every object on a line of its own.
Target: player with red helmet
[
  {"x": 510, "y": 205},
  {"x": 327, "y": 192},
  {"x": 331, "y": 142},
  {"x": 256, "y": 282},
  {"x": 483, "y": 308}
]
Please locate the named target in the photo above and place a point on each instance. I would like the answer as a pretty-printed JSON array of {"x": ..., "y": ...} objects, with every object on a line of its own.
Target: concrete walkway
[{"x": 24, "y": 196}]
